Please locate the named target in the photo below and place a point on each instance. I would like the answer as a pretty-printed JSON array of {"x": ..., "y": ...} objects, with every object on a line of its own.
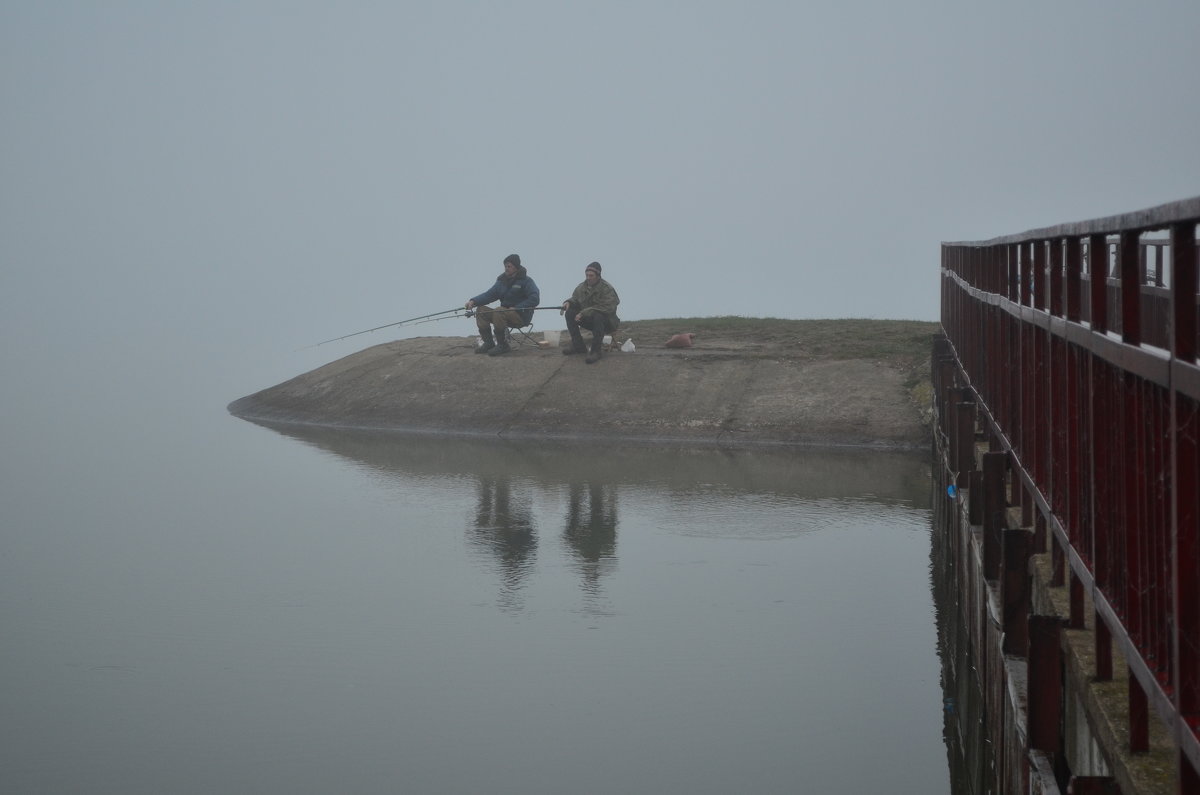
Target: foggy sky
[{"x": 216, "y": 185}]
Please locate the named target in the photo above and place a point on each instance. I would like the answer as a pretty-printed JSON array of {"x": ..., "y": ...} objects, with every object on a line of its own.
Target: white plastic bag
[{"x": 627, "y": 346}]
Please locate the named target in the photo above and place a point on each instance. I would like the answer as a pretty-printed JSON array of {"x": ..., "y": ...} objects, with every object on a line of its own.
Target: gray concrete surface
[{"x": 723, "y": 393}]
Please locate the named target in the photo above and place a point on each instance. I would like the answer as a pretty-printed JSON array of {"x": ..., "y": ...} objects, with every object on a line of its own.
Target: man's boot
[
  {"x": 489, "y": 341},
  {"x": 576, "y": 345},
  {"x": 501, "y": 347},
  {"x": 597, "y": 341}
]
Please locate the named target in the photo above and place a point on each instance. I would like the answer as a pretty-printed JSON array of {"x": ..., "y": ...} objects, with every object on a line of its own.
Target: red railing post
[
  {"x": 975, "y": 497},
  {"x": 1013, "y": 266},
  {"x": 1015, "y": 590},
  {"x": 1183, "y": 291},
  {"x": 1131, "y": 294},
  {"x": 965, "y": 441},
  {"x": 1093, "y": 785},
  {"x": 1058, "y": 565},
  {"x": 1045, "y": 683},
  {"x": 1077, "y": 604},
  {"x": 995, "y": 507},
  {"x": 1104, "y": 669},
  {"x": 1139, "y": 716},
  {"x": 1041, "y": 300},
  {"x": 1074, "y": 272},
  {"x": 1098, "y": 271},
  {"x": 1056, "y": 278},
  {"x": 1027, "y": 278}
]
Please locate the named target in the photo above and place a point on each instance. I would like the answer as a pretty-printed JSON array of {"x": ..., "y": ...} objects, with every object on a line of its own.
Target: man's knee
[{"x": 486, "y": 316}]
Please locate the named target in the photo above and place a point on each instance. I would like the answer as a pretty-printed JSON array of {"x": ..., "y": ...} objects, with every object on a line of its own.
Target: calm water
[{"x": 194, "y": 604}]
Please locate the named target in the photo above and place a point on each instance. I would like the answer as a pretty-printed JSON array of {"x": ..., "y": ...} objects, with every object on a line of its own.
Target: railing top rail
[{"x": 1140, "y": 220}]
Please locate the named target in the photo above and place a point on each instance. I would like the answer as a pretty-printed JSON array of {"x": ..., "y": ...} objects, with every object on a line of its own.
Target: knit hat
[
  {"x": 595, "y": 266},
  {"x": 514, "y": 259}
]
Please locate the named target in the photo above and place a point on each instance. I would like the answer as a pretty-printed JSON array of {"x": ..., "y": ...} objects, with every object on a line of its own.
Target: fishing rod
[
  {"x": 472, "y": 312},
  {"x": 465, "y": 313},
  {"x": 445, "y": 314},
  {"x": 418, "y": 318}
]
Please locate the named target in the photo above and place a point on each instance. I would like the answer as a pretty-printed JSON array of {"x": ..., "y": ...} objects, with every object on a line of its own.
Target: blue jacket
[{"x": 517, "y": 292}]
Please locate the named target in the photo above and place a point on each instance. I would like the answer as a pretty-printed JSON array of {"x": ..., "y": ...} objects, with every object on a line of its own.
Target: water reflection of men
[
  {"x": 504, "y": 529},
  {"x": 591, "y": 531}
]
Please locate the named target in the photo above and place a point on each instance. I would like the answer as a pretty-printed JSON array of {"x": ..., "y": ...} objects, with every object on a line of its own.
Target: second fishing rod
[
  {"x": 466, "y": 313},
  {"x": 445, "y": 314}
]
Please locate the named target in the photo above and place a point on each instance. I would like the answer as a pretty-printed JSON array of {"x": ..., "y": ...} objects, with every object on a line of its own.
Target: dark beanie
[
  {"x": 514, "y": 259},
  {"x": 595, "y": 266}
]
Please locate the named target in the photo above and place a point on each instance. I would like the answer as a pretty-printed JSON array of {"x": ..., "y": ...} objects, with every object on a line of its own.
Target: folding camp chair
[{"x": 521, "y": 336}]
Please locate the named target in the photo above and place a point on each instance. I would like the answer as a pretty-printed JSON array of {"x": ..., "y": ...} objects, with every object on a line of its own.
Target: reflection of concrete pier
[
  {"x": 889, "y": 475},
  {"x": 1067, "y": 457}
]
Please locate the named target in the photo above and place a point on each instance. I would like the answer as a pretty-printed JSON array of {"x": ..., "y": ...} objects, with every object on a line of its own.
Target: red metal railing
[{"x": 1078, "y": 344}]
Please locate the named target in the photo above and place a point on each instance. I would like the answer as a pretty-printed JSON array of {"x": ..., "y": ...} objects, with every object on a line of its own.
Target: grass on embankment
[{"x": 900, "y": 342}]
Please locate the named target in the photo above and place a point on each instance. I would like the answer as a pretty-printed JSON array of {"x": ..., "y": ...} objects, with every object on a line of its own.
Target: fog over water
[
  {"x": 226, "y": 183},
  {"x": 193, "y": 194}
]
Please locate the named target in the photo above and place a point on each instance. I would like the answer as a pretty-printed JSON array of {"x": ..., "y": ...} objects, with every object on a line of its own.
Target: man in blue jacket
[{"x": 517, "y": 294}]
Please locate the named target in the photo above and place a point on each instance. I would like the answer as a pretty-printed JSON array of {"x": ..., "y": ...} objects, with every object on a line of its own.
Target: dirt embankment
[{"x": 746, "y": 381}]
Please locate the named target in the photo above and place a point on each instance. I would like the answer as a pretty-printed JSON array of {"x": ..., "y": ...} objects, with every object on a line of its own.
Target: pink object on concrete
[{"x": 681, "y": 340}]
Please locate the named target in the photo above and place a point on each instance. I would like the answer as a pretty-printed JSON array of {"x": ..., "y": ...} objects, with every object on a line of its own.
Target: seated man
[
  {"x": 518, "y": 295},
  {"x": 593, "y": 306}
]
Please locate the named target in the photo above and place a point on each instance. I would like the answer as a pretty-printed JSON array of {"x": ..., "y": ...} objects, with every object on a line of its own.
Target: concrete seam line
[
  {"x": 520, "y": 410},
  {"x": 728, "y": 422}
]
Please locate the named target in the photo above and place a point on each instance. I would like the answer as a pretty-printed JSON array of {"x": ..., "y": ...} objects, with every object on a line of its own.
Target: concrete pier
[{"x": 726, "y": 391}]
